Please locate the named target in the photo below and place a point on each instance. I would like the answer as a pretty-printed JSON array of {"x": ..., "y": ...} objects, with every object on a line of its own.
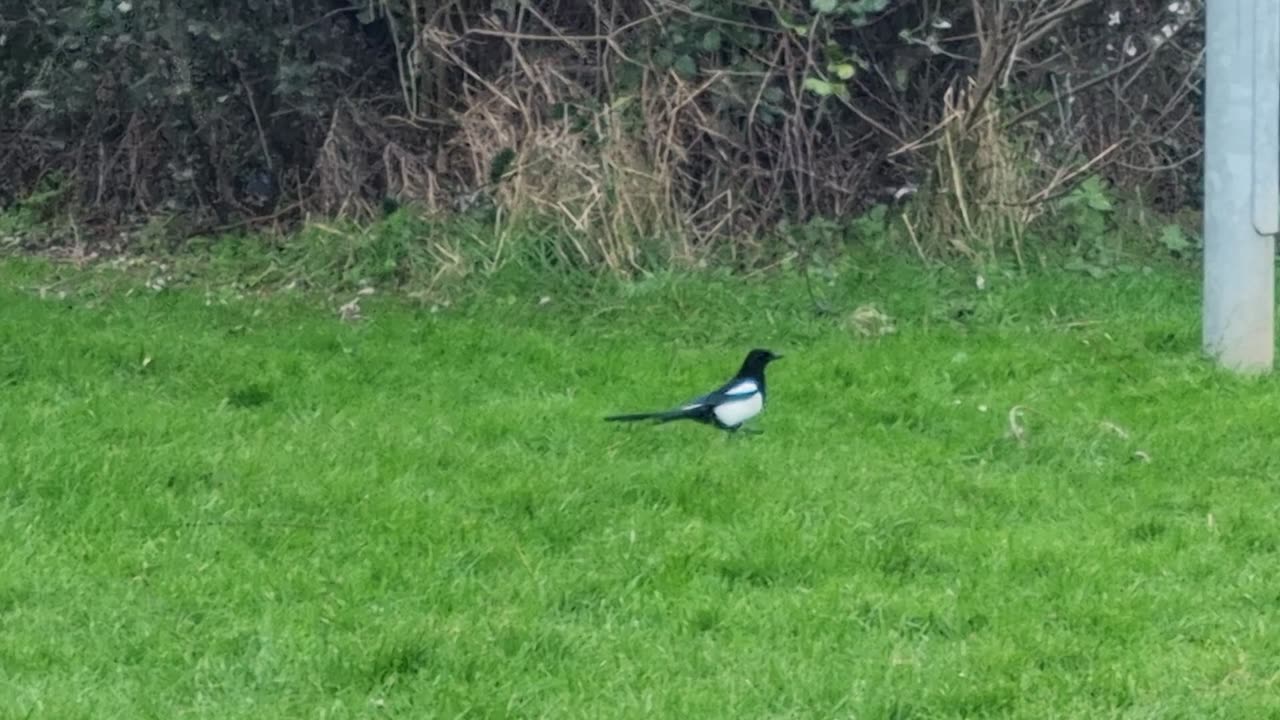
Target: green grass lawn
[{"x": 1030, "y": 501}]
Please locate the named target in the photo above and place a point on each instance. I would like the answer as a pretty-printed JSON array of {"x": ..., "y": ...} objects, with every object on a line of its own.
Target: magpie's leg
[{"x": 733, "y": 431}]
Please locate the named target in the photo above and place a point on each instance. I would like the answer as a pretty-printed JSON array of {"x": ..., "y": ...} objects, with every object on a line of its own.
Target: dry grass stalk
[
  {"x": 989, "y": 186},
  {"x": 978, "y": 169},
  {"x": 609, "y": 191}
]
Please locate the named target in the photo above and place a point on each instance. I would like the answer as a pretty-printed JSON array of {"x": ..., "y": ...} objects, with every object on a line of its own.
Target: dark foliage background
[{"x": 695, "y": 120}]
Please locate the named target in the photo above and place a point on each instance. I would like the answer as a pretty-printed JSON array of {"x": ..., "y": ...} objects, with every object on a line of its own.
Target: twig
[
  {"x": 915, "y": 241},
  {"x": 257, "y": 121}
]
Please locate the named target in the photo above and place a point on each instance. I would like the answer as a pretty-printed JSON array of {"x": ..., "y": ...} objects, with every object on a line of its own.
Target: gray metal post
[{"x": 1242, "y": 181}]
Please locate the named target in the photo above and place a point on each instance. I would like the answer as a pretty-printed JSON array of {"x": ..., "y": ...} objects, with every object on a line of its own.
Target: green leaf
[
  {"x": 860, "y": 13},
  {"x": 818, "y": 86},
  {"x": 788, "y": 23},
  {"x": 773, "y": 94},
  {"x": 1079, "y": 264},
  {"x": 500, "y": 164},
  {"x": 686, "y": 66},
  {"x": 628, "y": 76},
  {"x": 824, "y": 6},
  {"x": 1172, "y": 237},
  {"x": 664, "y": 58},
  {"x": 1099, "y": 202},
  {"x": 1093, "y": 194},
  {"x": 844, "y": 71},
  {"x": 711, "y": 41}
]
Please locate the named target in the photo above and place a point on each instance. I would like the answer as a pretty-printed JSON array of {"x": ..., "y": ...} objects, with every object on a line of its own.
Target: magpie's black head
[{"x": 756, "y": 360}]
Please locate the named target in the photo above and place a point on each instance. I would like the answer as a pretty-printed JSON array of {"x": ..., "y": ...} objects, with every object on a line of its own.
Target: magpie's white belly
[{"x": 736, "y": 412}]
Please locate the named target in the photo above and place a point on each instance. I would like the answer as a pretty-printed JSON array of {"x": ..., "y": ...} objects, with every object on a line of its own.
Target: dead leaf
[
  {"x": 1016, "y": 427},
  {"x": 870, "y": 321},
  {"x": 1112, "y": 427},
  {"x": 351, "y": 311}
]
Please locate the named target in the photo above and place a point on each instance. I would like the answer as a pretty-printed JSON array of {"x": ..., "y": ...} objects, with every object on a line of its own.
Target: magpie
[{"x": 728, "y": 406}]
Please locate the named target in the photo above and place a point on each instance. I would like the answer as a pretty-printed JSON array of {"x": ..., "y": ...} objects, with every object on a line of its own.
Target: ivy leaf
[
  {"x": 711, "y": 41},
  {"x": 901, "y": 78},
  {"x": 686, "y": 66},
  {"x": 824, "y": 6},
  {"x": 844, "y": 71}
]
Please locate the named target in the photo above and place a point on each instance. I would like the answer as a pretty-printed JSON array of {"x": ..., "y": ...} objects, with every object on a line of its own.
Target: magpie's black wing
[{"x": 735, "y": 389}]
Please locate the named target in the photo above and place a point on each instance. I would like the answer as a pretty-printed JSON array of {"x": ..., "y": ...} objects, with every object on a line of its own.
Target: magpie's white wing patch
[{"x": 742, "y": 388}]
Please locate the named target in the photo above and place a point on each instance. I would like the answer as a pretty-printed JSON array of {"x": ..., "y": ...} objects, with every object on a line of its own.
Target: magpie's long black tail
[{"x": 664, "y": 416}]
